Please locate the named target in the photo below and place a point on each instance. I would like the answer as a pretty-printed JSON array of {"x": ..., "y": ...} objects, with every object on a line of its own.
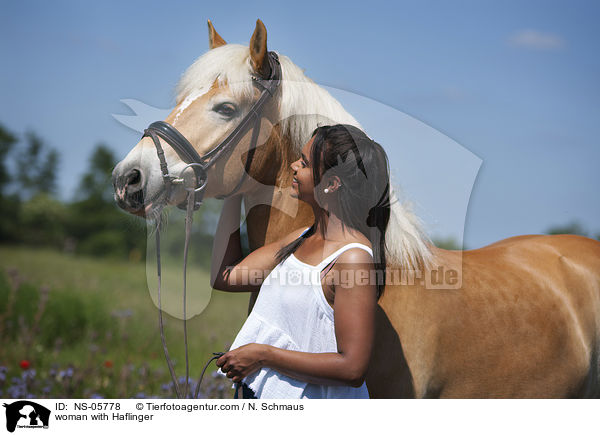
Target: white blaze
[{"x": 187, "y": 101}]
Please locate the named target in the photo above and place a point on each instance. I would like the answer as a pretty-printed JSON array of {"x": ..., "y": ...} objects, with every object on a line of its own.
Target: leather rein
[{"x": 200, "y": 165}]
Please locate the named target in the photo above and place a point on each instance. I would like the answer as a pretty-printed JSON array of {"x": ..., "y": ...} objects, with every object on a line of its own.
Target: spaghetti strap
[
  {"x": 333, "y": 256},
  {"x": 343, "y": 249}
]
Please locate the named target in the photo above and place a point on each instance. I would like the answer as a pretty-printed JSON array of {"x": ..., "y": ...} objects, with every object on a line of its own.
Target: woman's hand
[{"x": 243, "y": 361}]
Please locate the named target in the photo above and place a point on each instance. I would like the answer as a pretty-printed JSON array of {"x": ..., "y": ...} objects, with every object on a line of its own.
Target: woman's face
[{"x": 303, "y": 183}]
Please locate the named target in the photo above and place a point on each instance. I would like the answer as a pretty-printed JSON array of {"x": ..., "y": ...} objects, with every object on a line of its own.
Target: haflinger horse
[{"x": 523, "y": 317}]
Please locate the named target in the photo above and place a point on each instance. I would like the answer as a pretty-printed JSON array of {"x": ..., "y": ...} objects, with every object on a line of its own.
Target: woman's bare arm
[
  {"x": 230, "y": 271},
  {"x": 354, "y": 313}
]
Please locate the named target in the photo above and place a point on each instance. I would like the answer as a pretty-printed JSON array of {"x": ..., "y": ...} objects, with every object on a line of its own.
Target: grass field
[{"x": 94, "y": 331}]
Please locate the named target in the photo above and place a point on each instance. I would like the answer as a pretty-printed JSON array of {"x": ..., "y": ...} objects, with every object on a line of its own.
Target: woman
[{"x": 311, "y": 331}]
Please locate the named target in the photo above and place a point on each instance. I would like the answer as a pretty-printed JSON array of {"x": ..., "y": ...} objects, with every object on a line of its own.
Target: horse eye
[{"x": 225, "y": 109}]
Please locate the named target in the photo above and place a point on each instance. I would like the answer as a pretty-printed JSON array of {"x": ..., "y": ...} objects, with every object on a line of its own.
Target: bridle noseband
[{"x": 200, "y": 166}]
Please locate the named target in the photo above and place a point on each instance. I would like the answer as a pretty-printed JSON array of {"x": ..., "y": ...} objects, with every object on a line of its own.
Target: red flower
[
  {"x": 108, "y": 364},
  {"x": 24, "y": 364}
]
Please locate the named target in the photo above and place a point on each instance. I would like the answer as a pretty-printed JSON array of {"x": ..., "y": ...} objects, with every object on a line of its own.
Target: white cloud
[{"x": 536, "y": 40}]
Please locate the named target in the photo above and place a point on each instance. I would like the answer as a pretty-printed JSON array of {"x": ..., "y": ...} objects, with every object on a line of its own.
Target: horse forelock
[
  {"x": 226, "y": 65},
  {"x": 303, "y": 106}
]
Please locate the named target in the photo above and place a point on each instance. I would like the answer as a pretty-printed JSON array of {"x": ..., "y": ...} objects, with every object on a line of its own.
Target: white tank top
[{"x": 291, "y": 312}]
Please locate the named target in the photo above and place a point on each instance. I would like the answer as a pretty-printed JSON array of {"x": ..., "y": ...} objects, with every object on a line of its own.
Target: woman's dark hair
[{"x": 363, "y": 199}]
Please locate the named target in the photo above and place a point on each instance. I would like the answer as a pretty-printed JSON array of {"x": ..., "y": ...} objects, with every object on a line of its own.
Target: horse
[{"x": 516, "y": 319}]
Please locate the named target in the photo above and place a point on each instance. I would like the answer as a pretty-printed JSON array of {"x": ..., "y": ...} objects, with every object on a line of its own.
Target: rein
[{"x": 200, "y": 165}]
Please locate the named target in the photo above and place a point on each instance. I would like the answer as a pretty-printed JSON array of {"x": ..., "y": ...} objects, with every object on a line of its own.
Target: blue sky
[{"x": 515, "y": 83}]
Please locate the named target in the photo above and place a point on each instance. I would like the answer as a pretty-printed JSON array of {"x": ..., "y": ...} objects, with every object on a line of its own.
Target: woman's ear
[{"x": 334, "y": 183}]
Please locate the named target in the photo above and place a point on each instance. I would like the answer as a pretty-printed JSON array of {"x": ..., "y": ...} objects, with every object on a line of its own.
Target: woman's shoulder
[
  {"x": 357, "y": 254},
  {"x": 363, "y": 241},
  {"x": 359, "y": 238},
  {"x": 354, "y": 253}
]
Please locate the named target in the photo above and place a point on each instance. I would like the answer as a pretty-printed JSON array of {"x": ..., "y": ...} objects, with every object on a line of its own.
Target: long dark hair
[{"x": 363, "y": 199}]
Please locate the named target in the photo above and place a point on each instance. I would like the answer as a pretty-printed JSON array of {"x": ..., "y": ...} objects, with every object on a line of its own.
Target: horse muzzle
[{"x": 129, "y": 190}]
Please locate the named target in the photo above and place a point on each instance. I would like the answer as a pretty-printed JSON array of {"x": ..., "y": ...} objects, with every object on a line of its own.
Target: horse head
[{"x": 215, "y": 94}]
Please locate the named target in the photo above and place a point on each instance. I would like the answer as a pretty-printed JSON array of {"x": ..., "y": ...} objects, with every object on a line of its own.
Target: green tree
[
  {"x": 7, "y": 142},
  {"x": 10, "y": 205},
  {"x": 37, "y": 166},
  {"x": 448, "y": 243},
  {"x": 43, "y": 219},
  {"x": 572, "y": 227},
  {"x": 95, "y": 223},
  {"x": 95, "y": 183}
]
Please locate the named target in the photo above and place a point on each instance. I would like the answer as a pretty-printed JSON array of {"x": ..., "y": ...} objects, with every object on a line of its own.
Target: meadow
[{"x": 81, "y": 327}]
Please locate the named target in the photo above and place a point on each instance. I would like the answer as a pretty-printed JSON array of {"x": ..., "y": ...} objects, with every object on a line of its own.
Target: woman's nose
[{"x": 294, "y": 165}]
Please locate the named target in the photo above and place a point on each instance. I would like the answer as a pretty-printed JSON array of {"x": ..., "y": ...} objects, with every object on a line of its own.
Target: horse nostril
[{"x": 133, "y": 178}]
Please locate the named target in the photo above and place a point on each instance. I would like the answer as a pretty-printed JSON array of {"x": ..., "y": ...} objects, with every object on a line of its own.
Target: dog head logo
[{"x": 25, "y": 413}]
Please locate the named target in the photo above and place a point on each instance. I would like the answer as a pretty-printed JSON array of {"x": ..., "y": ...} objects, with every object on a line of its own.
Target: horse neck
[{"x": 271, "y": 212}]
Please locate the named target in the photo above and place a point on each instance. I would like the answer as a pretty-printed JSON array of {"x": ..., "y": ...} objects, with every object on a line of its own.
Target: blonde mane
[{"x": 303, "y": 106}]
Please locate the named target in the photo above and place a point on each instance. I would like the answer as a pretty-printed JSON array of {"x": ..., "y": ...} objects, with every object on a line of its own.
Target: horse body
[
  {"x": 522, "y": 316},
  {"x": 524, "y": 323}
]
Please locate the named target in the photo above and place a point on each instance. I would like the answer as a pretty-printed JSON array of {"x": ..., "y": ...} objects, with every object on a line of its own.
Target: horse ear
[
  {"x": 258, "y": 50},
  {"x": 214, "y": 39}
]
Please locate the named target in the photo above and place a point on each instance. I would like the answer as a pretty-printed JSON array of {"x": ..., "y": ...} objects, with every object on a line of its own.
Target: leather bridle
[{"x": 200, "y": 165}]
